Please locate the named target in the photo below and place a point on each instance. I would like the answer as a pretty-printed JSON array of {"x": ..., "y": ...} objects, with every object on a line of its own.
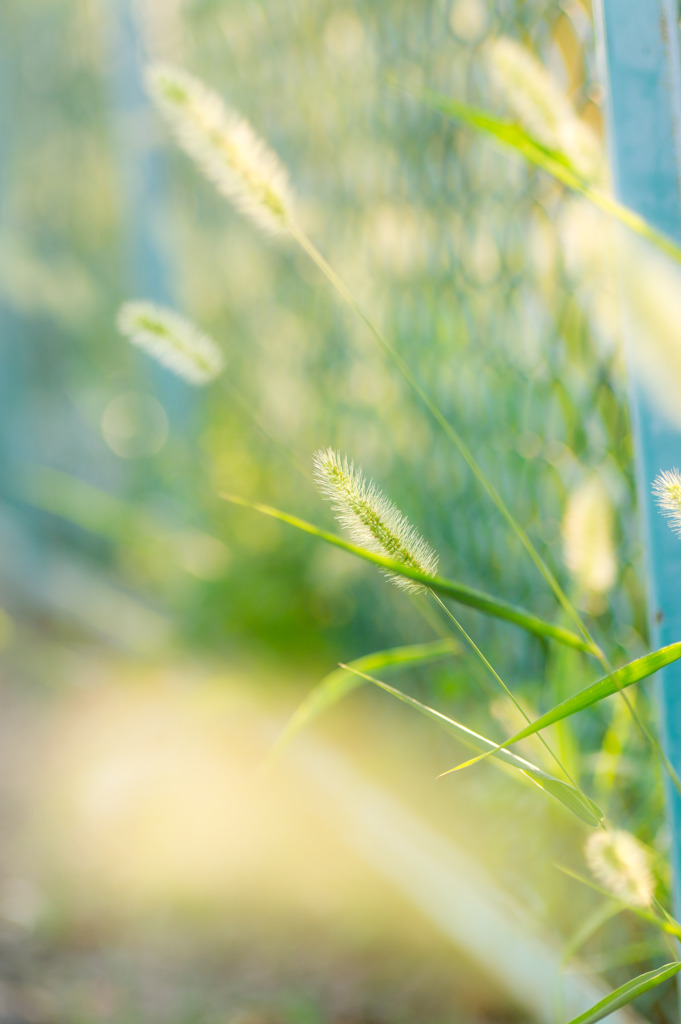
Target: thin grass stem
[
  {"x": 237, "y": 398},
  {"x": 469, "y": 640}
]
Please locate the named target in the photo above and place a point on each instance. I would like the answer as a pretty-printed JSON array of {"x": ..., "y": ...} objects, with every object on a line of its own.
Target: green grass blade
[
  {"x": 339, "y": 683},
  {"x": 634, "y": 672},
  {"x": 628, "y": 954},
  {"x": 589, "y": 926},
  {"x": 447, "y": 588},
  {"x": 79, "y": 502},
  {"x": 626, "y": 993},
  {"x": 666, "y": 924},
  {"x": 574, "y": 801},
  {"x": 555, "y": 163}
]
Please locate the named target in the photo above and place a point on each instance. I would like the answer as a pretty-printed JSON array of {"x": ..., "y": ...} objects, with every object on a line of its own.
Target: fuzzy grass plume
[
  {"x": 607, "y": 263},
  {"x": 650, "y": 284},
  {"x": 171, "y": 339},
  {"x": 224, "y": 146},
  {"x": 667, "y": 492},
  {"x": 541, "y": 106},
  {"x": 621, "y": 864},
  {"x": 588, "y": 537},
  {"x": 370, "y": 518}
]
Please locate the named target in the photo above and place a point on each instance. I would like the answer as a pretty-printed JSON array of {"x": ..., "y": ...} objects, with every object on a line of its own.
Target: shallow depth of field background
[{"x": 154, "y": 639}]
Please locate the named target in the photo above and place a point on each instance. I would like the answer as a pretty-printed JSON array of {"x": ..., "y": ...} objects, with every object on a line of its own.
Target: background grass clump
[{"x": 137, "y": 600}]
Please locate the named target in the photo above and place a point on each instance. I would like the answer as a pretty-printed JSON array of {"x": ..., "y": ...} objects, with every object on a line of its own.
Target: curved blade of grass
[
  {"x": 626, "y": 993},
  {"x": 574, "y": 801},
  {"x": 339, "y": 683},
  {"x": 485, "y": 603},
  {"x": 513, "y": 136},
  {"x": 628, "y": 954},
  {"x": 634, "y": 672},
  {"x": 589, "y": 926},
  {"x": 665, "y": 924}
]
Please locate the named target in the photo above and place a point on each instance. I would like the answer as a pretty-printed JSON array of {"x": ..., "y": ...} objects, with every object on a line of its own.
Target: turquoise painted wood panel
[{"x": 639, "y": 50}]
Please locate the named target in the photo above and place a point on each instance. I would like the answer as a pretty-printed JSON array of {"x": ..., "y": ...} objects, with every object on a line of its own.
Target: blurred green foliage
[{"x": 450, "y": 244}]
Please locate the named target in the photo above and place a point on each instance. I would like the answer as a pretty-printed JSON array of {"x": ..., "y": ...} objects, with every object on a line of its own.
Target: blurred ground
[{"x": 147, "y": 874}]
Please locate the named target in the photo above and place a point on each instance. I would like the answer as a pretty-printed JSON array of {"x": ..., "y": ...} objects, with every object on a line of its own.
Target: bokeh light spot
[{"x": 135, "y": 424}]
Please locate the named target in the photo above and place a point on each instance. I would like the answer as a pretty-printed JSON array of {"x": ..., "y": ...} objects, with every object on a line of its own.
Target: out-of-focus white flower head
[
  {"x": 614, "y": 270},
  {"x": 588, "y": 542},
  {"x": 621, "y": 864},
  {"x": 541, "y": 107},
  {"x": 224, "y": 146},
  {"x": 171, "y": 339}
]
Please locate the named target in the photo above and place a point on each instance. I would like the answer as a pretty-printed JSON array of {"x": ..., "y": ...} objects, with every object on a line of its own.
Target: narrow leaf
[
  {"x": 485, "y": 603},
  {"x": 555, "y": 163},
  {"x": 626, "y": 993},
  {"x": 615, "y": 681},
  {"x": 589, "y": 926},
  {"x": 666, "y": 924},
  {"x": 634, "y": 672},
  {"x": 628, "y": 954},
  {"x": 340, "y": 683},
  {"x": 575, "y": 802}
]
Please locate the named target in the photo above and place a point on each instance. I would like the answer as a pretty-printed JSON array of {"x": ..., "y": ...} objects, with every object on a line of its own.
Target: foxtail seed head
[
  {"x": 621, "y": 864},
  {"x": 588, "y": 541},
  {"x": 171, "y": 339},
  {"x": 541, "y": 106},
  {"x": 224, "y": 146},
  {"x": 372, "y": 520},
  {"x": 667, "y": 491}
]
